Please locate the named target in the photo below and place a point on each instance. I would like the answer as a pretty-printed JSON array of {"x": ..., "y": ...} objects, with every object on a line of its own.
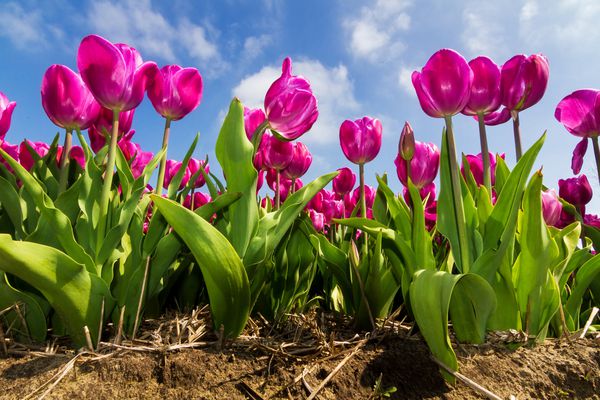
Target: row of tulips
[{"x": 90, "y": 241}]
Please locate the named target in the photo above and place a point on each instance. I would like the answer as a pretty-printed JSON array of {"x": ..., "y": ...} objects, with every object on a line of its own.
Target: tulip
[
  {"x": 443, "y": 88},
  {"x": 253, "y": 118},
  {"x": 117, "y": 77},
  {"x": 318, "y": 220},
  {"x": 369, "y": 199},
  {"x": 579, "y": 112},
  {"x": 551, "y": 207},
  {"x": 70, "y": 105},
  {"x": 6, "y": 110},
  {"x": 576, "y": 191},
  {"x": 196, "y": 200},
  {"x": 427, "y": 192},
  {"x": 276, "y": 154},
  {"x": 193, "y": 167},
  {"x": 102, "y": 127},
  {"x": 12, "y": 150},
  {"x": 290, "y": 105},
  {"x": 301, "y": 160},
  {"x": 476, "y": 167},
  {"x": 592, "y": 220},
  {"x": 26, "y": 158},
  {"x": 344, "y": 182},
  {"x": 139, "y": 162},
  {"x": 75, "y": 154},
  {"x": 406, "y": 145},
  {"x": 423, "y": 166},
  {"x": 484, "y": 99},
  {"x": 284, "y": 186},
  {"x": 175, "y": 91},
  {"x": 172, "y": 168}
]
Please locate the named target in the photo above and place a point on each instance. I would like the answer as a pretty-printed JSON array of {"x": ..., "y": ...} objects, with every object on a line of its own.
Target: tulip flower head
[
  {"x": 175, "y": 91},
  {"x": 444, "y": 84},
  {"x": 276, "y": 154},
  {"x": 344, "y": 182},
  {"x": 523, "y": 81},
  {"x": 25, "y": 152},
  {"x": 406, "y": 145},
  {"x": 12, "y": 150},
  {"x": 485, "y": 94},
  {"x": 576, "y": 191},
  {"x": 476, "y": 167},
  {"x": 6, "y": 110},
  {"x": 253, "y": 117},
  {"x": 199, "y": 198},
  {"x": 194, "y": 166},
  {"x": 579, "y": 112},
  {"x": 114, "y": 73},
  {"x": 300, "y": 163},
  {"x": 423, "y": 166},
  {"x": 170, "y": 172},
  {"x": 290, "y": 105},
  {"x": 551, "y": 207},
  {"x": 361, "y": 139}
]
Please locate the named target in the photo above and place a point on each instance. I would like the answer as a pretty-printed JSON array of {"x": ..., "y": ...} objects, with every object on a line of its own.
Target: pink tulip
[
  {"x": 139, "y": 162},
  {"x": 344, "y": 182},
  {"x": 370, "y": 193},
  {"x": 301, "y": 160},
  {"x": 175, "y": 91},
  {"x": 485, "y": 93},
  {"x": 75, "y": 154},
  {"x": 523, "y": 81},
  {"x": 579, "y": 112},
  {"x": 427, "y": 192},
  {"x": 6, "y": 110},
  {"x": 66, "y": 100},
  {"x": 361, "y": 139},
  {"x": 200, "y": 199},
  {"x": 194, "y": 166},
  {"x": 26, "y": 158},
  {"x": 423, "y": 166},
  {"x": 551, "y": 207},
  {"x": 253, "y": 117},
  {"x": 576, "y": 191},
  {"x": 261, "y": 180},
  {"x": 12, "y": 150},
  {"x": 276, "y": 154},
  {"x": 114, "y": 73},
  {"x": 497, "y": 117},
  {"x": 476, "y": 166},
  {"x": 592, "y": 220},
  {"x": 444, "y": 84},
  {"x": 290, "y": 105},
  {"x": 578, "y": 153},
  {"x": 170, "y": 172},
  {"x": 318, "y": 220},
  {"x": 285, "y": 184}
]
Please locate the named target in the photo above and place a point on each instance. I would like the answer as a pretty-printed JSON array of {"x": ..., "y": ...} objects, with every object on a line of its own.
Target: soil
[{"x": 553, "y": 370}]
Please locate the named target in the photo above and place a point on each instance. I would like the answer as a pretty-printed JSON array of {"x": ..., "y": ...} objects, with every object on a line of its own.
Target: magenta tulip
[
  {"x": 172, "y": 168},
  {"x": 301, "y": 160},
  {"x": 551, "y": 207},
  {"x": 194, "y": 166},
  {"x": 476, "y": 167},
  {"x": 344, "y": 182},
  {"x": 253, "y": 117},
  {"x": 25, "y": 156},
  {"x": 12, "y": 150},
  {"x": 361, "y": 139},
  {"x": 523, "y": 81},
  {"x": 67, "y": 100},
  {"x": 200, "y": 199},
  {"x": 318, "y": 220},
  {"x": 6, "y": 110},
  {"x": 423, "y": 166},
  {"x": 276, "y": 154},
  {"x": 579, "y": 112},
  {"x": 290, "y": 105},
  {"x": 175, "y": 91},
  {"x": 370, "y": 193},
  {"x": 75, "y": 154},
  {"x": 114, "y": 73},
  {"x": 444, "y": 84},
  {"x": 578, "y": 153},
  {"x": 99, "y": 132},
  {"x": 485, "y": 95},
  {"x": 139, "y": 162},
  {"x": 576, "y": 191}
]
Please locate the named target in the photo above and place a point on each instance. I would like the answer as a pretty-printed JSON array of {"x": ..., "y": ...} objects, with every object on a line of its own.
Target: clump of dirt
[{"x": 552, "y": 370}]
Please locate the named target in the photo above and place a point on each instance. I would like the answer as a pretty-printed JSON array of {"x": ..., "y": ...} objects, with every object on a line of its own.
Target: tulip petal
[
  {"x": 578, "y": 153},
  {"x": 578, "y": 112},
  {"x": 497, "y": 118}
]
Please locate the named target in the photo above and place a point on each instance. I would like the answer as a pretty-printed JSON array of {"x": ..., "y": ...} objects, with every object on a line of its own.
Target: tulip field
[{"x": 98, "y": 234}]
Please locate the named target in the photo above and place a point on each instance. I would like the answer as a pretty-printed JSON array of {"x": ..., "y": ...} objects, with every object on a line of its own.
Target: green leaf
[
  {"x": 583, "y": 279},
  {"x": 11, "y": 204},
  {"x": 421, "y": 239},
  {"x": 223, "y": 271},
  {"x": 176, "y": 181},
  {"x": 30, "y": 309},
  {"x": 235, "y": 154},
  {"x": 72, "y": 291}
]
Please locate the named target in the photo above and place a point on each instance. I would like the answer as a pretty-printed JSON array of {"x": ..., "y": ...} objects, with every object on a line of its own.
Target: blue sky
[{"x": 358, "y": 56}]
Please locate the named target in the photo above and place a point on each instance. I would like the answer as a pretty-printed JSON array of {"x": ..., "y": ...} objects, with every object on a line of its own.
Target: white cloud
[
  {"x": 483, "y": 30},
  {"x": 136, "y": 22},
  {"x": 332, "y": 87},
  {"x": 26, "y": 29},
  {"x": 405, "y": 80},
  {"x": 374, "y": 33},
  {"x": 255, "y": 45}
]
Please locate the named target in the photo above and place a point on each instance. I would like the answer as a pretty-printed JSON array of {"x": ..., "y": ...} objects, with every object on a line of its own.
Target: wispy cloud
[
  {"x": 405, "y": 80},
  {"x": 375, "y": 33},
  {"x": 484, "y": 29},
  {"x": 332, "y": 87},
  {"x": 254, "y": 46},
  {"x": 139, "y": 24},
  {"x": 26, "y": 29}
]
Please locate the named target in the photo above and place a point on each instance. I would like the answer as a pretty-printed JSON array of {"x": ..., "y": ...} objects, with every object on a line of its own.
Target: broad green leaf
[
  {"x": 421, "y": 240},
  {"x": 176, "y": 181},
  {"x": 583, "y": 279},
  {"x": 30, "y": 309},
  {"x": 11, "y": 204},
  {"x": 223, "y": 271},
  {"x": 72, "y": 291},
  {"x": 235, "y": 154}
]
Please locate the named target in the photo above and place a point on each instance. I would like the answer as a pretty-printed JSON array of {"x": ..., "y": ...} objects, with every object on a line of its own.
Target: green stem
[
  {"x": 163, "y": 160},
  {"x": 108, "y": 178},
  {"x": 277, "y": 194},
  {"x": 487, "y": 177},
  {"x": 517, "y": 133},
  {"x": 457, "y": 199},
  {"x": 596, "y": 154},
  {"x": 64, "y": 161},
  {"x": 363, "y": 204}
]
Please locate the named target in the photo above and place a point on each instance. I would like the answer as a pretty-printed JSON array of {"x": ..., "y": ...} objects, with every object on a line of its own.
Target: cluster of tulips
[{"x": 86, "y": 239}]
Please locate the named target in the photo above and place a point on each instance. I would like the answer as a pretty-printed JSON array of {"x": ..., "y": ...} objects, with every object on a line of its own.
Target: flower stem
[
  {"x": 64, "y": 161},
  {"x": 457, "y": 199},
  {"x": 108, "y": 178},
  {"x": 487, "y": 177},
  {"x": 517, "y": 133},
  {"x": 277, "y": 189},
  {"x": 596, "y": 154},
  {"x": 163, "y": 160},
  {"x": 363, "y": 200},
  {"x": 293, "y": 189}
]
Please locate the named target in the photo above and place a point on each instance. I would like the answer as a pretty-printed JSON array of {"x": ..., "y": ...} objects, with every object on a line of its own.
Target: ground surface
[{"x": 268, "y": 362}]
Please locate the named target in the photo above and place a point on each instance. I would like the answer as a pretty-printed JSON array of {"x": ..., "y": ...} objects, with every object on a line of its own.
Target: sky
[{"x": 358, "y": 56}]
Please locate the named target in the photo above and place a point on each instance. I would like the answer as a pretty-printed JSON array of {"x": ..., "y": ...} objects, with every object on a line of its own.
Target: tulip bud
[
  {"x": 361, "y": 139},
  {"x": 406, "y": 146},
  {"x": 551, "y": 207},
  {"x": 175, "y": 91},
  {"x": 423, "y": 166},
  {"x": 354, "y": 255},
  {"x": 476, "y": 167},
  {"x": 576, "y": 191},
  {"x": 200, "y": 199},
  {"x": 344, "y": 182},
  {"x": 290, "y": 105},
  {"x": 301, "y": 160},
  {"x": 6, "y": 110}
]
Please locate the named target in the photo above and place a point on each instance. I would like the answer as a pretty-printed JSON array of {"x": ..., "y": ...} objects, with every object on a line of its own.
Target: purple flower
[
  {"x": 576, "y": 191},
  {"x": 276, "y": 154},
  {"x": 344, "y": 182},
  {"x": 361, "y": 139},
  {"x": 6, "y": 110},
  {"x": 290, "y": 105},
  {"x": 476, "y": 167},
  {"x": 551, "y": 207},
  {"x": 301, "y": 160},
  {"x": 26, "y": 158},
  {"x": 194, "y": 166},
  {"x": 523, "y": 81},
  {"x": 170, "y": 172},
  {"x": 444, "y": 84},
  {"x": 579, "y": 112},
  {"x": 423, "y": 166},
  {"x": 114, "y": 73},
  {"x": 253, "y": 117},
  {"x": 485, "y": 93},
  {"x": 200, "y": 199},
  {"x": 175, "y": 91}
]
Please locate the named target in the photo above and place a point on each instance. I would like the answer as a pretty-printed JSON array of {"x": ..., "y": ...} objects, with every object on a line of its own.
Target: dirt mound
[{"x": 554, "y": 370}]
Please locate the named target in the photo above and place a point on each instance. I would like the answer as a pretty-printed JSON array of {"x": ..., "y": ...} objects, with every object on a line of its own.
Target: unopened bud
[
  {"x": 406, "y": 146},
  {"x": 354, "y": 255}
]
